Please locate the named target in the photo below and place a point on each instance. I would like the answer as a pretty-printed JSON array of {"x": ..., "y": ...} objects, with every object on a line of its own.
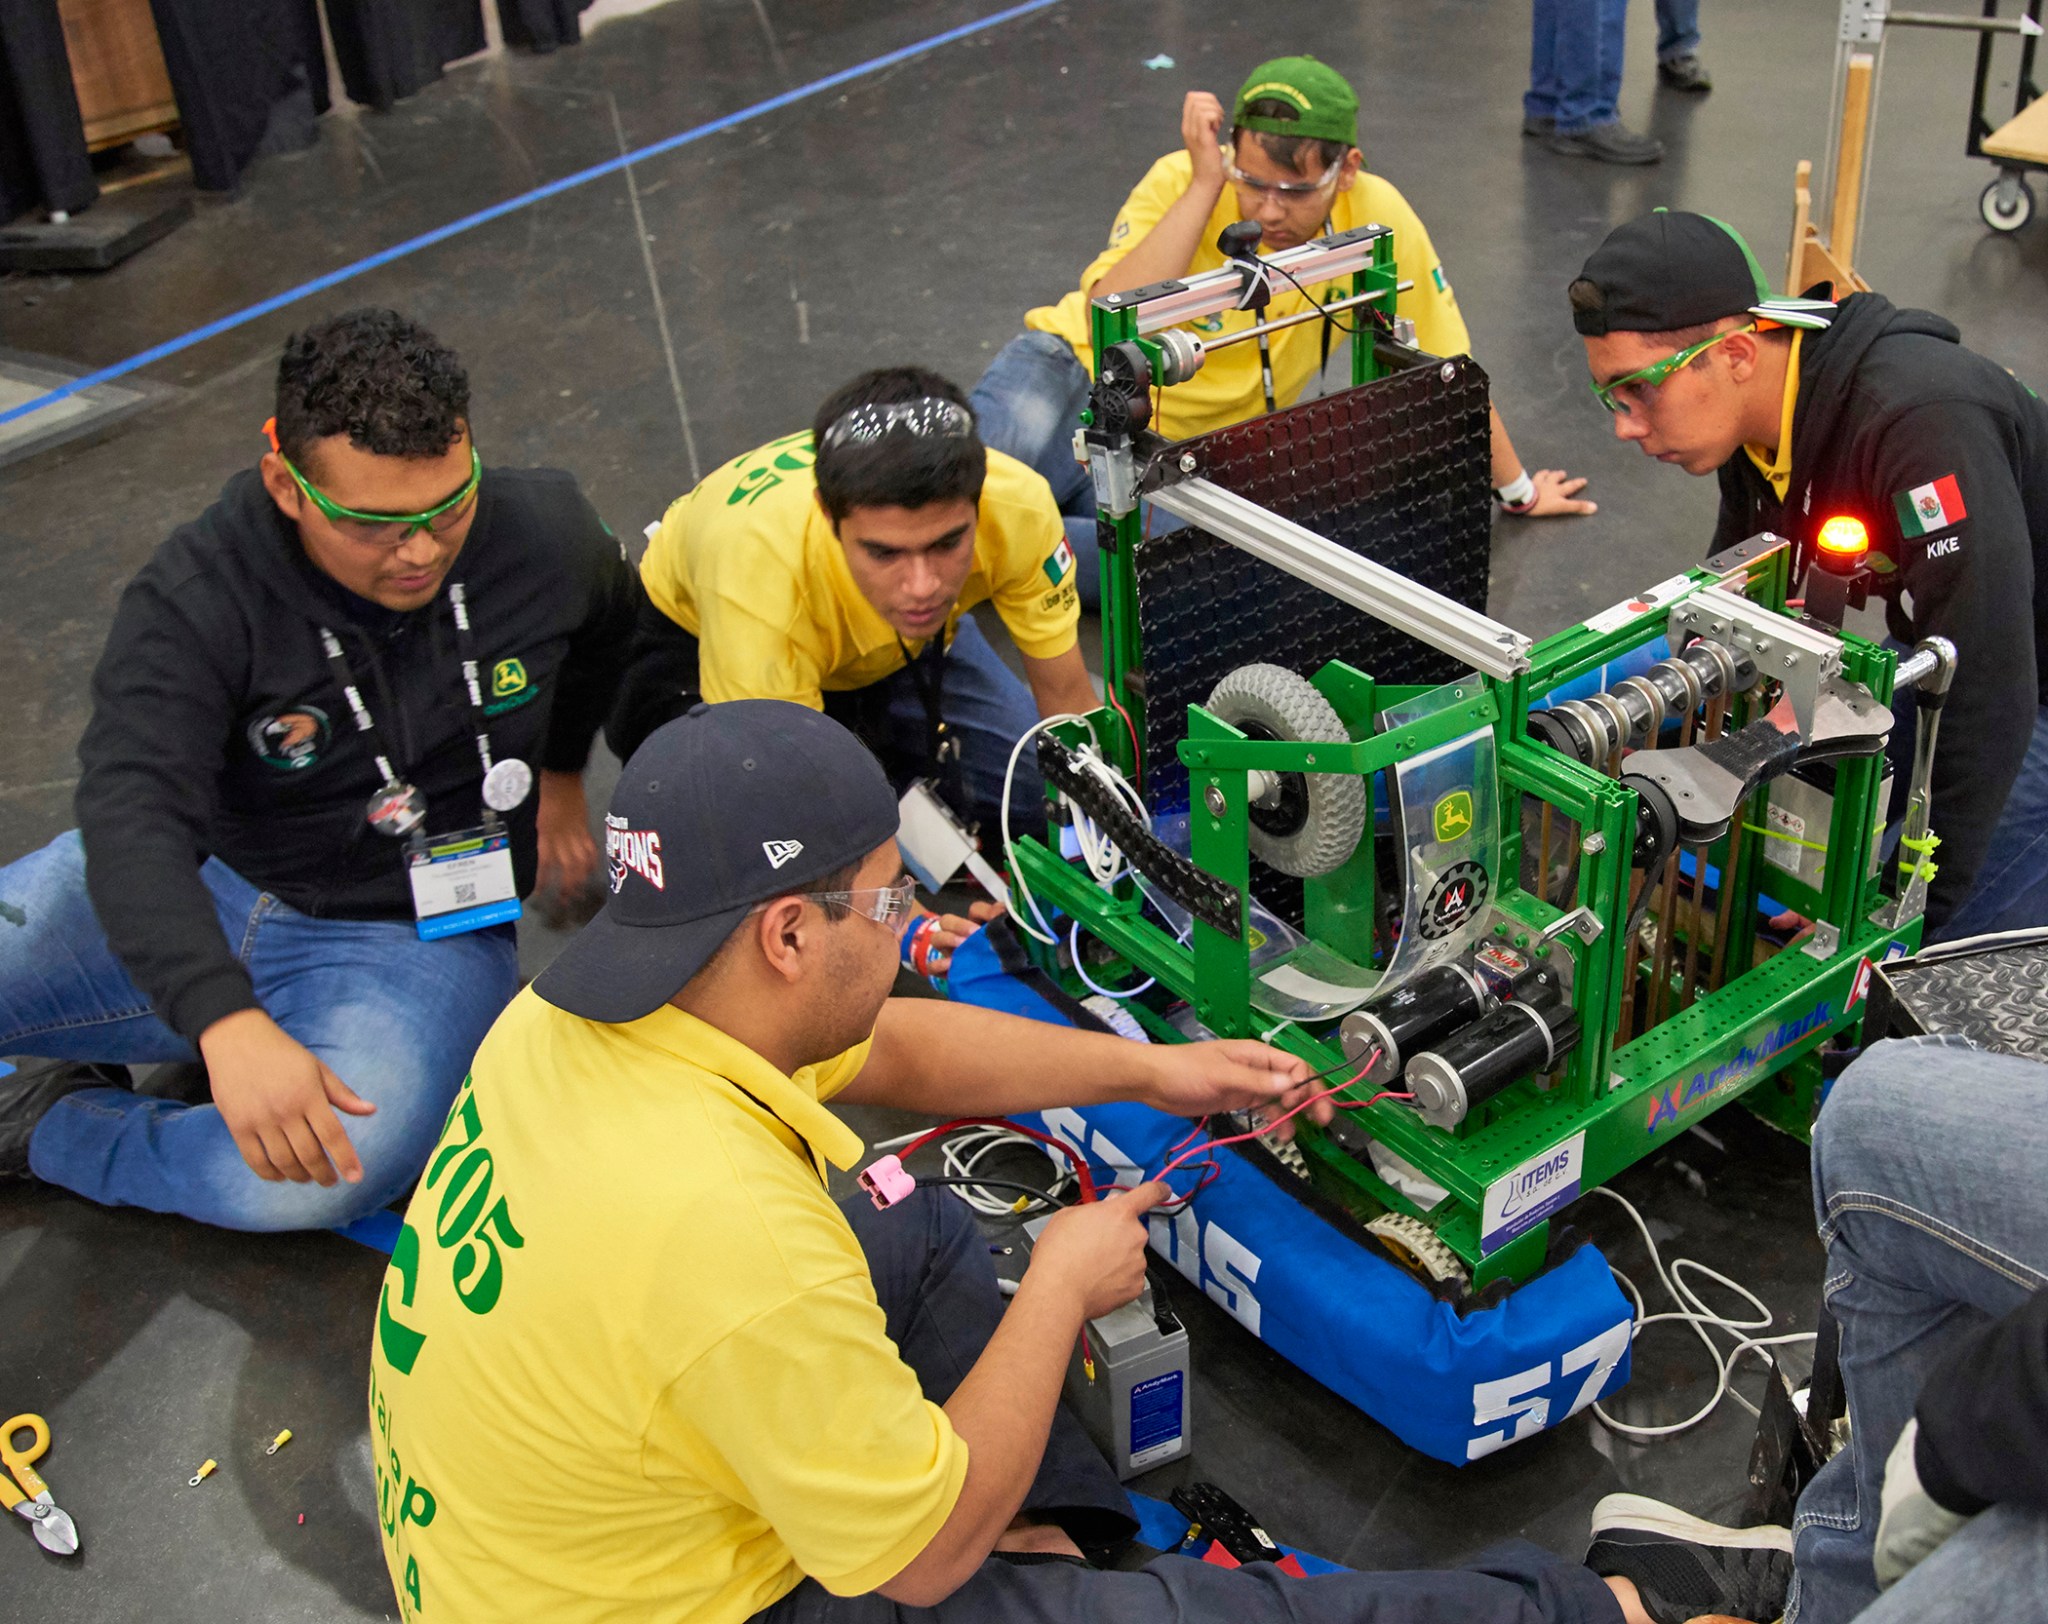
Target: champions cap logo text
[
  {"x": 636, "y": 851},
  {"x": 1679, "y": 1098}
]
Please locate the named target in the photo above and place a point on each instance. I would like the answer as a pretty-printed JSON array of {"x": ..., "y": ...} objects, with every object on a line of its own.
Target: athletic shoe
[
  {"x": 28, "y": 1095},
  {"x": 1539, "y": 127},
  {"x": 1683, "y": 1567},
  {"x": 1612, "y": 143},
  {"x": 1687, "y": 73}
]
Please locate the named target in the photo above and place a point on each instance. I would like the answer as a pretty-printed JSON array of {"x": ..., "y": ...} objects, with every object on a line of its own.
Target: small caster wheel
[{"x": 2007, "y": 203}]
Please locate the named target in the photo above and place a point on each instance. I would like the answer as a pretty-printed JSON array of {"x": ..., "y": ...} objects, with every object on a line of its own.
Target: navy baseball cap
[
  {"x": 717, "y": 811},
  {"x": 1668, "y": 270}
]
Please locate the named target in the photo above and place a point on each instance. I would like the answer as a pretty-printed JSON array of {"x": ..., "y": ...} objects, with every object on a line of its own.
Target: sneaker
[
  {"x": 28, "y": 1095},
  {"x": 1683, "y": 1567},
  {"x": 1687, "y": 73},
  {"x": 1610, "y": 144},
  {"x": 1539, "y": 127}
]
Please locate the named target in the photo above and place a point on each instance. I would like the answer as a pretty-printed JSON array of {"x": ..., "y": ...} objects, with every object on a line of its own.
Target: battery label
[{"x": 1158, "y": 1417}]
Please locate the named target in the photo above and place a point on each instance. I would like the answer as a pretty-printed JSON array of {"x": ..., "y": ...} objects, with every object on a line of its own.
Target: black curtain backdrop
[
  {"x": 541, "y": 25},
  {"x": 389, "y": 49},
  {"x": 233, "y": 64},
  {"x": 42, "y": 141}
]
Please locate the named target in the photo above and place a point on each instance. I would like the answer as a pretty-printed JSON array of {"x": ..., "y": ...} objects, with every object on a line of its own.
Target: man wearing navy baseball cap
[
  {"x": 622, "y": 1291},
  {"x": 1809, "y": 410}
]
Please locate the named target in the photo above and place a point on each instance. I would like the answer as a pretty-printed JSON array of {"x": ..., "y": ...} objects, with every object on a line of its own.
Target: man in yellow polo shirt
[
  {"x": 836, "y": 568},
  {"x": 633, "y": 1362},
  {"x": 1294, "y": 167}
]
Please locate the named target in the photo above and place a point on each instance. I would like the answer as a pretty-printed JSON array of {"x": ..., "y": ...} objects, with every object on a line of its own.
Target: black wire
[
  {"x": 1299, "y": 287},
  {"x": 1043, "y": 1197}
]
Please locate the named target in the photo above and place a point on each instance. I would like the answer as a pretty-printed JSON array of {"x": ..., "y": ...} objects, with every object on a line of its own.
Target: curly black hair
[
  {"x": 900, "y": 469},
  {"x": 386, "y": 382}
]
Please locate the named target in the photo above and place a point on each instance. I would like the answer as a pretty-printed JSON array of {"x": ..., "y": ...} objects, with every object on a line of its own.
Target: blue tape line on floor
[{"x": 427, "y": 239}]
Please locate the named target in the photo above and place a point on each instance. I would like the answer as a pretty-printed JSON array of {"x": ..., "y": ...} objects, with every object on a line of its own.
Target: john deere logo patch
[
  {"x": 290, "y": 740},
  {"x": 1452, "y": 818},
  {"x": 507, "y": 678}
]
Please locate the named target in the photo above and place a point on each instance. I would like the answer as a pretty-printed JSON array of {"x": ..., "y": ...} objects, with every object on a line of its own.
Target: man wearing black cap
[
  {"x": 1809, "y": 410},
  {"x": 633, "y": 1361}
]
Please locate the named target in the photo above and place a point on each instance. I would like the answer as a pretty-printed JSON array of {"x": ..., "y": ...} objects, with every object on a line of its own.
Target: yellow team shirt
[
  {"x": 1777, "y": 467},
  {"x": 1228, "y": 390},
  {"x": 629, "y": 1364},
  {"x": 748, "y": 562}
]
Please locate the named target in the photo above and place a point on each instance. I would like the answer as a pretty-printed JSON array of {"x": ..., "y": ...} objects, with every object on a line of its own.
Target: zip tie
[
  {"x": 1779, "y": 834},
  {"x": 1271, "y": 1032},
  {"x": 1925, "y": 869},
  {"x": 206, "y": 1470},
  {"x": 279, "y": 1441}
]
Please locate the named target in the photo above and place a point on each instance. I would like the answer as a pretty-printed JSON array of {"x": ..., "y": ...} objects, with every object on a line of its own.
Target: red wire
[
  {"x": 1082, "y": 1176},
  {"x": 1137, "y": 754}
]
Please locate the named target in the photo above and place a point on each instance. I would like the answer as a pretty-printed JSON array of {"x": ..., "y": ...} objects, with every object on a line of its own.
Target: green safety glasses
[
  {"x": 1638, "y": 388},
  {"x": 386, "y": 529}
]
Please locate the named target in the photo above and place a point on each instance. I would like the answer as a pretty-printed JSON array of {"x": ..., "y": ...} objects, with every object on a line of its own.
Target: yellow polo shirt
[
  {"x": 1228, "y": 389},
  {"x": 748, "y": 562},
  {"x": 1777, "y": 467},
  {"x": 629, "y": 1362}
]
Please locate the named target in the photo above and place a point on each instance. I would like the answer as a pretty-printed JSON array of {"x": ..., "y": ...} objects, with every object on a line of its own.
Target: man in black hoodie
[
  {"x": 306, "y": 813},
  {"x": 1809, "y": 410}
]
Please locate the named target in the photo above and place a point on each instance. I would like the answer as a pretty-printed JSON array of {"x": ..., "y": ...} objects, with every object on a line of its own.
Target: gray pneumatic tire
[{"x": 1279, "y": 704}]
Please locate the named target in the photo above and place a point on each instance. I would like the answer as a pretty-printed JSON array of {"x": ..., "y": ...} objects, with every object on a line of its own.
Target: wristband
[
  {"x": 919, "y": 945},
  {"x": 1518, "y": 495}
]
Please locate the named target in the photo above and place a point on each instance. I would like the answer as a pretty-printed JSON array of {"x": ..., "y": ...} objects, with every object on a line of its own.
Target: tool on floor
[
  {"x": 279, "y": 1441},
  {"x": 206, "y": 1470},
  {"x": 55, "y": 1531},
  {"x": 1235, "y": 1538}
]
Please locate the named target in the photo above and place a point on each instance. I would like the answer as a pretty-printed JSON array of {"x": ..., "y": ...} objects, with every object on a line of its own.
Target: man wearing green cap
[
  {"x": 1292, "y": 165},
  {"x": 1808, "y": 411}
]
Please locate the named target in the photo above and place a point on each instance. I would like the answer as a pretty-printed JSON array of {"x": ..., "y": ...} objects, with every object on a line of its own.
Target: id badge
[{"x": 463, "y": 881}]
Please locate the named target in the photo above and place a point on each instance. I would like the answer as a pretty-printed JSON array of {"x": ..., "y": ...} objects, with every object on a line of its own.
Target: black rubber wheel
[{"x": 2011, "y": 212}]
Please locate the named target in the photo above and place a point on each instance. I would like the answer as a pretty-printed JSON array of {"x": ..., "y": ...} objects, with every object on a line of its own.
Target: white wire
[
  {"x": 1074, "y": 948},
  {"x": 1693, "y": 1311},
  {"x": 1043, "y": 932},
  {"x": 962, "y": 1154},
  {"x": 1101, "y": 855}
]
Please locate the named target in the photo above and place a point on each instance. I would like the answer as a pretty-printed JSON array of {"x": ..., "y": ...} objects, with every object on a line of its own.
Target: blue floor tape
[
  {"x": 427, "y": 239},
  {"x": 1163, "y": 1528}
]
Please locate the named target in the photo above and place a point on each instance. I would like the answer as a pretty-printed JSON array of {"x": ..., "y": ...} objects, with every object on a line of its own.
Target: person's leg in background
[
  {"x": 1926, "y": 1171},
  {"x": 1028, "y": 405},
  {"x": 1539, "y": 102},
  {"x": 395, "y": 1018},
  {"x": 1587, "y": 50},
  {"x": 2011, "y": 892},
  {"x": 935, "y": 1283},
  {"x": 1994, "y": 1566},
  {"x": 1678, "y": 46}
]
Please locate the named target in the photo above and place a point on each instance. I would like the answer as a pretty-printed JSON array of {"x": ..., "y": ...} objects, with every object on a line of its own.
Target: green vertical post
[{"x": 1217, "y": 802}]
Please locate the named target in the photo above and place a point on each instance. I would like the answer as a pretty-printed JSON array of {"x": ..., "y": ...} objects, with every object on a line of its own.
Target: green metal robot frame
[{"x": 1677, "y": 1008}]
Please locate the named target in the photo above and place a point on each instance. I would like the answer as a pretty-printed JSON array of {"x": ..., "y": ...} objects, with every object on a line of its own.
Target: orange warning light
[{"x": 1843, "y": 542}]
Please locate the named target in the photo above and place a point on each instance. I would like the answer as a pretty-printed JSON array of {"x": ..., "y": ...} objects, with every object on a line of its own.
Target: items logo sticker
[
  {"x": 1455, "y": 897},
  {"x": 290, "y": 740},
  {"x": 1451, "y": 819},
  {"x": 632, "y": 851}
]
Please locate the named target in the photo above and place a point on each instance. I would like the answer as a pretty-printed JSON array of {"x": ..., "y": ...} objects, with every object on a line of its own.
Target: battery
[
  {"x": 1135, "y": 1406},
  {"x": 1409, "y": 1019}
]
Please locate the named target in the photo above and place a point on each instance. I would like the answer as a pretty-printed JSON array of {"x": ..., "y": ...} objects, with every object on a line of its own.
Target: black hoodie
[
  {"x": 218, "y": 728},
  {"x": 1889, "y": 400}
]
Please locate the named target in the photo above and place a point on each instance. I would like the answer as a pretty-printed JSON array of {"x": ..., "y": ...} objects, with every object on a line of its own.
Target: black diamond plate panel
[
  {"x": 1993, "y": 997},
  {"x": 1397, "y": 471}
]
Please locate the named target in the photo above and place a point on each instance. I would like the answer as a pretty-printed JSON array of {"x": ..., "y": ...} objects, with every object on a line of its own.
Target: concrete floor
[{"x": 914, "y": 214}]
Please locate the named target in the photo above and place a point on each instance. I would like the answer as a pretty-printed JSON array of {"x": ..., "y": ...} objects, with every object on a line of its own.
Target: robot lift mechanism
[{"x": 1570, "y": 984}]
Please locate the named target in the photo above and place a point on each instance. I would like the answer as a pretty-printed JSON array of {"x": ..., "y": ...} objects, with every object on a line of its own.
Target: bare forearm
[
  {"x": 1167, "y": 249},
  {"x": 956, "y": 1060},
  {"x": 1506, "y": 464},
  {"x": 1061, "y": 686}
]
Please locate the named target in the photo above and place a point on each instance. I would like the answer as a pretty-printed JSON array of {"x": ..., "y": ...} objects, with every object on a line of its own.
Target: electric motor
[
  {"x": 1522, "y": 1037},
  {"x": 1414, "y": 1015}
]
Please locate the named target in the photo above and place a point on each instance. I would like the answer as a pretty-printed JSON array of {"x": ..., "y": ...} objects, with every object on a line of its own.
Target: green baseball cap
[{"x": 1326, "y": 107}]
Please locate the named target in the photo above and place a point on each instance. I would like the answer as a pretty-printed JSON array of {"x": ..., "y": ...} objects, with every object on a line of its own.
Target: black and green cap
[
  {"x": 1326, "y": 108},
  {"x": 1668, "y": 270}
]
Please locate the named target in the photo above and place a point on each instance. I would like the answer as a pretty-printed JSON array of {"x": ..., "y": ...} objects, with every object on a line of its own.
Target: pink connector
[{"x": 886, "y": 1182}]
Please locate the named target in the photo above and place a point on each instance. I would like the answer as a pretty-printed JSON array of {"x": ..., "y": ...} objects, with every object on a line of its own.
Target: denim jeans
[
  {"x": 1027, "y": 405},
  {"x": 987, "y": 707},
  {"x": 1575, "y": 52},
  {"x": 2011, "y": 892},
  {"x": 1678, "y": 28},
  {"x": 394, "y": 1017},
  {"x": 1927, "y": 1184}
]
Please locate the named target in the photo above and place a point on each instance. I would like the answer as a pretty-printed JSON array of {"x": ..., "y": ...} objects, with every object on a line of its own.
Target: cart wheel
[{"x": 2008, "y": 202}]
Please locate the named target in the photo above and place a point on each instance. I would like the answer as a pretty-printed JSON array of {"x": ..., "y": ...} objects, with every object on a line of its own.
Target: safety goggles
[
  {"x": 928, "y": 418},
  {"x": 890, "y": 905},
  {"x": 1639, "y": 388},
  {"x": 1288, "y": 191},
  {"x": 386, "y": 530}
]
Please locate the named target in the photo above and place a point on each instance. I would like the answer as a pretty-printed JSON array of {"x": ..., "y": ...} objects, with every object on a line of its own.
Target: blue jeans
[
  {"x": 2011, "y": 892},
  {"x": 987, "y": 707},
  {"x": 1678, "y": 28},
  {"x": 394, "y": 1017},
  {"x": 1027, "y": 405},
  {"x": 1927, "y": 1184},
  {"x": 1575, "y": 51}
]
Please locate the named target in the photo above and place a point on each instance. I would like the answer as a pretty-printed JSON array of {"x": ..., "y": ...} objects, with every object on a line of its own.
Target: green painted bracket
[{"x": 1230, "y": 750}]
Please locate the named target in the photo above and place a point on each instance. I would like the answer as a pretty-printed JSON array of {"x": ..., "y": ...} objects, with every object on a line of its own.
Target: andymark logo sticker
[
  {"x": 781, "y": 851},
  {"x": 290, "y": 740},
  {"x": 1452, "y": 816},
  {"x": 1930, "y": 507},
  {"x": 1453, "y": 899},
  {"x": 507, "y": 677},
  {"x": 1061, "y": 562}
]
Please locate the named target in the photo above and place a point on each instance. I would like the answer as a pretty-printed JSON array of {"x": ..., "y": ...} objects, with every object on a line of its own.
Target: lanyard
[
  {"x": 366, "y": 724},
  {"x": 928, "y": 674}
]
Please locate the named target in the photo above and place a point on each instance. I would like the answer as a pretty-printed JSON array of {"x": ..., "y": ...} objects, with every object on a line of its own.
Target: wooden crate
[{"x": 117, "y": 66}]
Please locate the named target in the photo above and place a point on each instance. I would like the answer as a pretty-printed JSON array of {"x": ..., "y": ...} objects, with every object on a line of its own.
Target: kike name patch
[{"x": 1930, "y": 507}]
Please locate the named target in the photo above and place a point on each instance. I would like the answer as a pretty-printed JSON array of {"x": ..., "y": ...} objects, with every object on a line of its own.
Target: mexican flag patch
[
  {"x": 1930, "y": 507},
  {"x": 1436, "y": 275},
  {"x": 1060, "y": 564}
]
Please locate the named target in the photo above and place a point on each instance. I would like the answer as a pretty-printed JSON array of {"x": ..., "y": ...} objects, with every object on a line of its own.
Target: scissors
[{"x": 55, "y": 1531}]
